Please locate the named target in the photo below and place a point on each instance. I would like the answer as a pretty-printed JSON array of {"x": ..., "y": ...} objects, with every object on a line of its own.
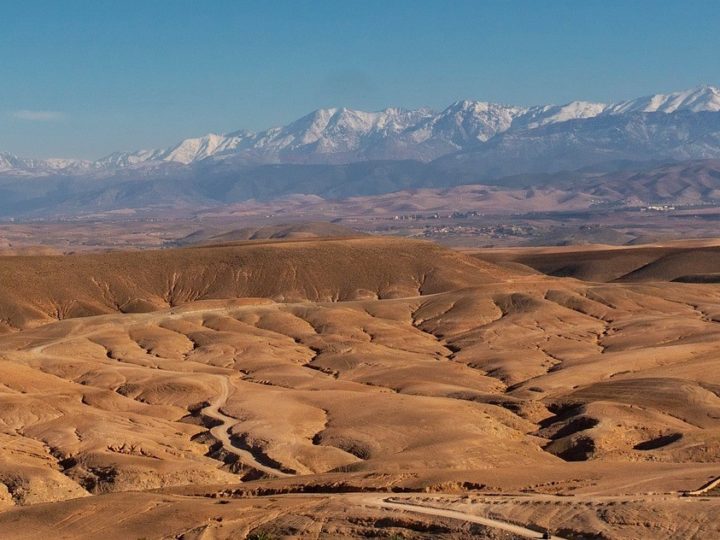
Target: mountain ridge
[
  {"x": 343, "y": 135},
  {"x": 339, "y": 153}
]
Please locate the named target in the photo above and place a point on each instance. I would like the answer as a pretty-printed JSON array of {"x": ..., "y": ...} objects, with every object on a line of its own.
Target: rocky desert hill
[
  {"x": 364, "y": 387},
  {"x": 38, "y": 289}
]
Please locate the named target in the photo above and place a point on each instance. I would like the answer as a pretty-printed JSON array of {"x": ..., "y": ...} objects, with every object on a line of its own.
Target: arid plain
[{"x": 360, "y": 387}]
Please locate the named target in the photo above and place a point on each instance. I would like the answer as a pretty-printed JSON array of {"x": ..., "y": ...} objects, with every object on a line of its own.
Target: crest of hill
[
  {"x": 699, "y": 265},
  {"x": 315, "y": 229},
  {"x": 692, "y": 261},
  {"x": 39, "y": 289}
]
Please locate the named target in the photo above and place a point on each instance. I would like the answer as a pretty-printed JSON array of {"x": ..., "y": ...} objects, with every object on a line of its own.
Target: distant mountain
[
  {"x": 341, "y": 152},
  {"x": 335, "y": 136},
  {"x": 340, "y": 135},
  {"x": 701, "y": 99},
  {"x": 13, "y": 165},
  {"x": 367, "y": 187},
  {"x": 630, "y": 137}
]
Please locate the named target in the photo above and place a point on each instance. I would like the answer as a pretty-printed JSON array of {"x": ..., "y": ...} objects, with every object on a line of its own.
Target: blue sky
[{"x": 84, "y": 78}]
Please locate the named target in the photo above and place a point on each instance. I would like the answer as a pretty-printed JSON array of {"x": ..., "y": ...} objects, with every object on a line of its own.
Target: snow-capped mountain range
[{"x": 340, "y": 135}]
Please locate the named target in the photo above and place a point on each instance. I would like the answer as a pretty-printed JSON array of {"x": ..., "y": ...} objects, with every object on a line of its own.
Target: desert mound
[
  {"x": 692, "y": 261},
  {"x": 35, "y": 290}
]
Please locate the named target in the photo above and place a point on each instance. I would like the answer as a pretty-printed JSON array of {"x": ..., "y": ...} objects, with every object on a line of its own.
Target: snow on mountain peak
[
  {"x": 12, "y": 164},
  {"x": 700, "y": 99},
  {"x": 191, "y": 150},
  {"x": 349, "y": 133},
  {"x": 468, "y": 121},
  {"x": 553, "y": 114}
]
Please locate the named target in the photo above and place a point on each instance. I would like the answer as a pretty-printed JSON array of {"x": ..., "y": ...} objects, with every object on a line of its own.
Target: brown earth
[
  {"x": 318, "y": 229},
  {"x": 694, "y": 261},
  {"x": 297, "y": 388},
  {"x": 38, "y": 289}
]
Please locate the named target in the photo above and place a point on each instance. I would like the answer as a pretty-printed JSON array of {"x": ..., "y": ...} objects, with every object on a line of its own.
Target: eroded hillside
[
  {"x": 38, "y": 289},
  {"x": 358, "y": 366}
]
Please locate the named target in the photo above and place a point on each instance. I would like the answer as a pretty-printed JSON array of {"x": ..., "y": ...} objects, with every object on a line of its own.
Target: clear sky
[{"x": 85, "y": 78}]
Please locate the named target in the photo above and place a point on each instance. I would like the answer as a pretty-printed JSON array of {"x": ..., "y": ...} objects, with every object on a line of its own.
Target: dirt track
[
  {"x": 463, "y": 516},
  {"x": 222, "y": 432}
]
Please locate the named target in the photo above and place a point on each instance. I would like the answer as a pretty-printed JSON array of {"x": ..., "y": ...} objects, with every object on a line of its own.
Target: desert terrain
[
  {"x": 281, "y": 384},
  {"x": 359, "y": 270}
]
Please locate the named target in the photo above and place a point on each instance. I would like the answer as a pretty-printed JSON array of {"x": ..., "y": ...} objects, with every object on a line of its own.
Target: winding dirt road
[{"x": 222, "y": 432}]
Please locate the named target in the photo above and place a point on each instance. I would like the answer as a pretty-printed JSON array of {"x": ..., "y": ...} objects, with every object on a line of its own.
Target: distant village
[{"x": 436, "y": 215}]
